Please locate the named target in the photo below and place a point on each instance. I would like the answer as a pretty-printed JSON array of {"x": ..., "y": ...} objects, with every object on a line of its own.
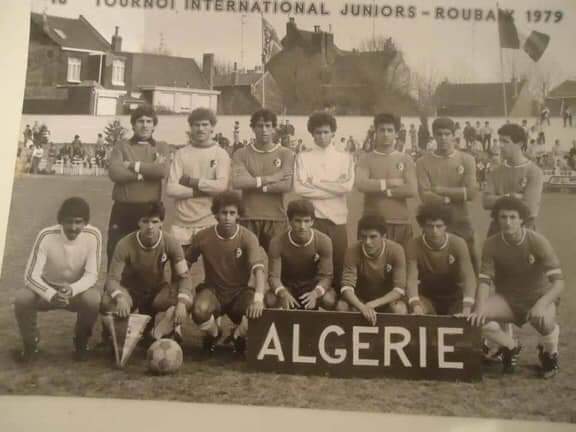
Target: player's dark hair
[
  {"x": 143, "y": 111},
  {"x": 227, "y": 198},
  {"x": 319, "y": 119},
  {"x": 300, "y": 207},
  {"x": 372, "y": 222},
  {"x": 515, "y": 132},
  {"x": 434, "y": 212},
  {"x": 265, "y": 115},
  {"x": 510, "y": 203},
  {"x": 200, "y": 114},
  {"x": 74, "y": 207},
  {"x": 387, "y": 118},
  {"x": 443, "y": 123},
  {"x": 154, "y": 209}
]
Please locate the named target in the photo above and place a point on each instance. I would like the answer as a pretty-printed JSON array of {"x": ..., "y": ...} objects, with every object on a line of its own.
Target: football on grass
[{"x": 164, "y": 357}]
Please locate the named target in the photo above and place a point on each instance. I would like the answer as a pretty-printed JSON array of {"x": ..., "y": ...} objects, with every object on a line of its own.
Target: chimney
[
  {"x": 235, "y": 75},
  {"x": 116, "y": 41},
  {"x": 208, "y": 69}
]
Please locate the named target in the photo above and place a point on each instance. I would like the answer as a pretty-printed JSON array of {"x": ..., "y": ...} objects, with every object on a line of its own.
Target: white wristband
[
  {"x": 264, "y": 188},
  {"x": 382, "y": 185},
  {"x": 389, "y": 193},
  {"x": 321, "y": 290},
  {"x": 258, "y": 297},
  {"x": 258, "y": 182},
  {"x": 137, "y": 167},
  {"x": 468, "y": 300},
  {"x": 115, "y": 294},
  {"x": 280, "y": 288},
  {"x": 413, "y": 300},
  {"x": 140, "y": 177}
]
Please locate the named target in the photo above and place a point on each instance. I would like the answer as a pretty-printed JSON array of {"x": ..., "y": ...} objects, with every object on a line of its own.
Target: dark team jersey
[
  {"x": 373, "y": 277},
  {"x": 143, "y": 269},
  {"x": 298, "y": 267},
  {"x": 440, "y": 270},
  {"x": 380, "y": 166},
  {"x": 520, "y": 271},
  {"x": 228, "y": 262}
]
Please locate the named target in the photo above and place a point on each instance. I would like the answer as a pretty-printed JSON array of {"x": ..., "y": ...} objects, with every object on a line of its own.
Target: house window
[
  {"x": 74, "y": 66},
  {"x": 118, "y": 68}
]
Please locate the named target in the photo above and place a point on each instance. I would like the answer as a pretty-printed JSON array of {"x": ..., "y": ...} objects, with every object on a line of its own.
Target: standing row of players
[{"x": 440, "y": 275}]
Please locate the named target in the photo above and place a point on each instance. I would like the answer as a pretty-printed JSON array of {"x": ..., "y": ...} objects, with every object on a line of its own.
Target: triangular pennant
[{"x": 135, "y": 326}]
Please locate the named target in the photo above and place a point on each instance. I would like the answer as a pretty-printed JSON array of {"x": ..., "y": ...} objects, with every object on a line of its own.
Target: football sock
[
  {"x": 210, "y": 327},
  {"x": 493, "y": 332},
  {"x": 550, "y": 341},
  {"x": 242, "y": 329}
]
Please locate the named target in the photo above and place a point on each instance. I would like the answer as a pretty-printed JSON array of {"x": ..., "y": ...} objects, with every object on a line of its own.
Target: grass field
[{"x": 224, "y": 379}]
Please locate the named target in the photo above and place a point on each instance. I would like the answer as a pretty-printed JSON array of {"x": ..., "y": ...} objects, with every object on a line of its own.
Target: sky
[{"x": 453, "y": 49}]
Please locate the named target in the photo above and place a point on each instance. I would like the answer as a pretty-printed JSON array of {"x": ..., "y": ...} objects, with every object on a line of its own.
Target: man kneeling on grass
[
  {"x": 374, "y": 276},
  {"x": 231, "y": 255},
  {"x": 61, "y": 274},
  {"x": 137, "y": 278},
  {"x": 528, "y": 282},
  {"x": 300, "y": 274}
]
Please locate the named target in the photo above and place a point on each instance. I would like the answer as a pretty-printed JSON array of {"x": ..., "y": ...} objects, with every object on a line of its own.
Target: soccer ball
[{"x": 164, "y": 357}]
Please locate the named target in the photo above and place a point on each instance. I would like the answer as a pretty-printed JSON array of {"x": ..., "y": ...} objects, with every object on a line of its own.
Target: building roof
[
  {"x": 566, "y": 89},
  {"x": 163, "y": 70},
  {"x": 485, "y": 96},
  {"x": 243, "y": 79},
  {"x": 75, "y": 33}
]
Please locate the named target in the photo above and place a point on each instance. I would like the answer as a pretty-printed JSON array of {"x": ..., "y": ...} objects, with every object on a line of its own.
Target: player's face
[
  {"x": 150, "y": 228},
  {"x": 445, "y": 140},
  {"x": 323, "y": 136},
  {"x": 301, "y": 227},
  {"x": 435, "y": 230},
  {"x": 227, "y": 218},
  {"x": 385, "y": 135},
  {"x": 264, "y": 131},
  {"x": 372, "y": 241},
  {"x": 507, "y": 146},
  {"x": 201, "y": 131},
  {"x": 144, "y": 127},
  {"x": 72, "y": 227},
  {"x": 509, "y": 222}
]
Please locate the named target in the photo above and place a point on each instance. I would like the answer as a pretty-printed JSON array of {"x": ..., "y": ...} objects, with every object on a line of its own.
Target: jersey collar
[
  {"x": 517, "y": 243},
  {"x": 154, "y": 246},
  {"x": 257, "y": 150},
  {"x": 523, "y": 164},
  {"x": 450, "y": 156},
  {"x": 429, "y": 246},
  {"x": 385, "y": 154},
  {"x": 376, "y": 257},
  {"x": 297, "y": 244},
  {"x": 229, "y": 238}
]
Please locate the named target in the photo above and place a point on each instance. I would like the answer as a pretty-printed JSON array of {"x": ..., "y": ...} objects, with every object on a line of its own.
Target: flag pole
[
  {"x": 263, "y": 63},
  {"x": 502, "y": 66}
]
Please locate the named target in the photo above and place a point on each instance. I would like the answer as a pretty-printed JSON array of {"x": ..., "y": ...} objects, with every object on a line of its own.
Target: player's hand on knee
[
  {"x": 537, "y": 314},
  {"x": 369, "y": 314},
  {"x": 288, "y": 301},
  {"x": 255, "y": 310},
  {"x": 309, "y": 299},
  {"x": 180, "y": 314},
  {"x": 122, "y": 307},
  {"x": 477, "y": 319},
  {"x": 417, "y": 309}
]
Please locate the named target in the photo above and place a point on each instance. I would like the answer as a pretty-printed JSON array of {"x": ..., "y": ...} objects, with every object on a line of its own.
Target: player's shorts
[
  {"x": 148, "y": 303},
  {"x": 235, "y": 306},
  {"x": 441, "y": 305},
  {"x": 521, "y": 307},
  {"x": 265, "y": 230},
  {"x": 400, "y": 233},
  {"x": 184, "y": 235}
]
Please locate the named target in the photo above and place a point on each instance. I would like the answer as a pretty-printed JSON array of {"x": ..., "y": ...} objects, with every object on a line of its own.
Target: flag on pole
[
  {"x": 534, "y": 45},
  {"x": 270, "y": 42}
]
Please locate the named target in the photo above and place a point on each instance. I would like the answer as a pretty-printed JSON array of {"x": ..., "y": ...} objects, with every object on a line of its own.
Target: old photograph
[{"x": 350, "y": 206}]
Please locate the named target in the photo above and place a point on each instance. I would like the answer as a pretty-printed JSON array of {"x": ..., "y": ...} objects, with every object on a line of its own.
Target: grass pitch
[{"x": 225, "y": 379}]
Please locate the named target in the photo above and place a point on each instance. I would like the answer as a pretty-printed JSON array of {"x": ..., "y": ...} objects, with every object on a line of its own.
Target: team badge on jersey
[
  {"x": 451, "y": 259},
  {"x": 277, "y": 163},
  {"x": 316, "y": 257},
  {"x": 238, "y": 252},
  {"x": 388, "y": 268},
  {"x": 164, "y": 258},
  {"x": 213, "y": 163},
  {"x": 531, "y": 259},
  {"x": 461, "y": 169},
  {"x": 523, "y": 182},
  {"x": 400, "y": 166}
]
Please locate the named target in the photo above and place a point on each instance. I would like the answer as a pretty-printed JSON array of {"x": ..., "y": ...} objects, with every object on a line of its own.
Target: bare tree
[{"x": 423, "y": 88}]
